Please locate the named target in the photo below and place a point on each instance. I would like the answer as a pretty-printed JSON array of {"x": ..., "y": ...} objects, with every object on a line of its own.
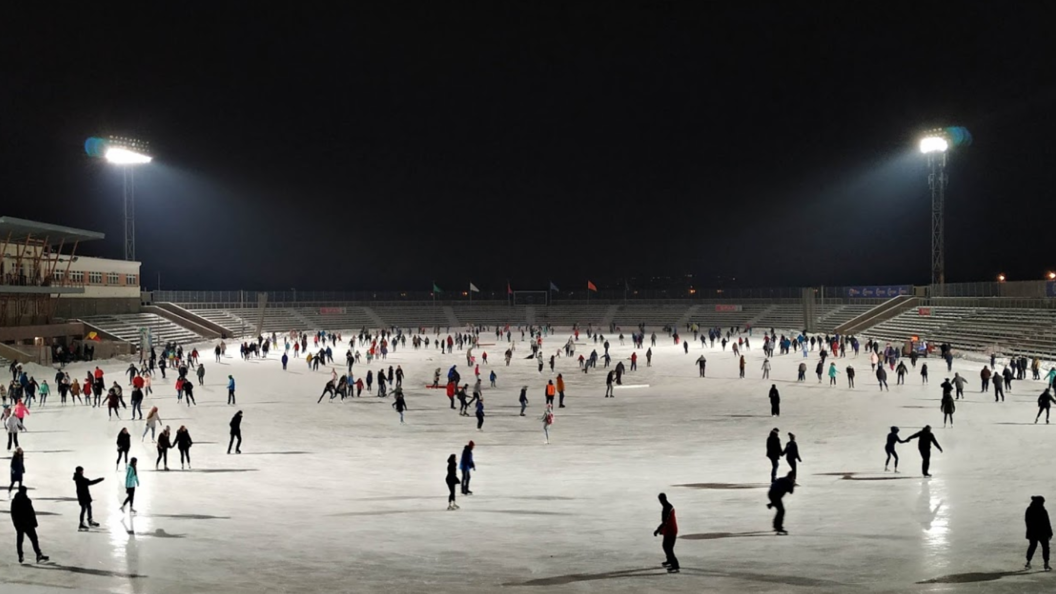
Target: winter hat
[
  {"x": 1038, "y": 499},
  {"x": 894, "y": 429},
  {"x": 471, "y": 444}
]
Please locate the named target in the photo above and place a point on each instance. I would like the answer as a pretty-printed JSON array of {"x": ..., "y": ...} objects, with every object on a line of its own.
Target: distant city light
[
  {"x": 123, "y": 156},
  {"x": 933, "y": 144}
]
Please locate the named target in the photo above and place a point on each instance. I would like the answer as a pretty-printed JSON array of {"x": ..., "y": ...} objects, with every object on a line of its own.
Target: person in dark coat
[
  {"x": 466, "y": 465},
  {"x": 25, "y": 520},
  {"x": 669, "y": 528},
  {"x": 84, "y": 496},
  {"x": 183, "y": 444},
  {"x": 773, "y": 451},
  {"x": 778, "y": 489},
  {"x": 236, "y": 432},
  {"x": 18, "y": 468},
  {"x": 775, "y": 401},
  {"x": 947, "y": 406},
  {"x": 924, "y": 443},
  {"x": 452, "y": 480},
  {"x": 124, "y": 443},
  {"x": 1044, "y": 403},
  {"x": 1038, "y": 530},
  {"x": 881, "y": 378},
  {"x": 164, "y": 445},
  {"x": 792, "y": 453},
  {"x": 892, "y": 439}
]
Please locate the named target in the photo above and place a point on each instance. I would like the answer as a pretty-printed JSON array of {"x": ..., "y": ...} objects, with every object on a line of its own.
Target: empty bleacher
[
  {"x": 126, "y": 327},
  {"x": 491, "y": 315}
]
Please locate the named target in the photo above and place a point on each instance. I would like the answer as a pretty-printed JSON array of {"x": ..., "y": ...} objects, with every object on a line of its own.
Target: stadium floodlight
[
  {"x": 1052, "y": 276},
  {"x": 125, "y": 153},
  {"x": 935, "y": 145},
  {"x": 122, "y": 156},
  {"x": 1001, "y": 278}
]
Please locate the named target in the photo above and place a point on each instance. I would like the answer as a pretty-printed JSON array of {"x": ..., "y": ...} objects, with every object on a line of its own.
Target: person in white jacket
[
  {"x": 766, "y": 368},
  {"x": 12, "y": 426}
]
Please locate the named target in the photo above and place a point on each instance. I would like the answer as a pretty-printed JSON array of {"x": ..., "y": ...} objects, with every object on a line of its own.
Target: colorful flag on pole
[
  {"x": 473, "y": 288},
  {"x": 436, "y": 289},
  {"x": 591, "y": 287},
  {"x": 509, "y": 289},
  {"x": 553, "y": 287}
]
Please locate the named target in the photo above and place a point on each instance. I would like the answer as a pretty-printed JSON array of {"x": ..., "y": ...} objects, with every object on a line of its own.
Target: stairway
[
  {"x": 687, "y": 317},
  {"x": 610, "y": 315},
  {"x": 529, "y": 315},
  {"x": 760, "y": 316},
  {"x": 452, "y": 319},
  {"x": 373, "y": 315}
]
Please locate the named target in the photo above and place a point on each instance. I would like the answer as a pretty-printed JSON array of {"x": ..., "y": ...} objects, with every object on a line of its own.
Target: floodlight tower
[
  {"x": 125, "y": 153},
  {"x": 935, "y": 145}
]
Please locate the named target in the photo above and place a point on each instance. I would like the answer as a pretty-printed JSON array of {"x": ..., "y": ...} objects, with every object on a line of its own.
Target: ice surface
[{"x": 338, "y": 497}]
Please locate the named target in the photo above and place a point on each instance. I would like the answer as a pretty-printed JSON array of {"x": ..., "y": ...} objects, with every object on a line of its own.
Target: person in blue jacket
[
  {"x": 466, "y": 465},
  {"x": 285, "y": 360},
  {"x": 231, "y": 389}
]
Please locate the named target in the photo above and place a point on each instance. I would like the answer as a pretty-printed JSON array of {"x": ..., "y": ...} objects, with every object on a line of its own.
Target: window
[
  {"x": 95, "y": 278},
  {"x": 113, "y": 278},
  {"x": 59, "y": 273},
  {"x": 131, "y": 280},
  {"x": 76, "y": 276}
]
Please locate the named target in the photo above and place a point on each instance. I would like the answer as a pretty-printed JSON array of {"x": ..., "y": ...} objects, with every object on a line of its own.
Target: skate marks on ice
[
  {"x": 723, "y": 486},
  {"x": 854, "y": 476},
  {"x": 392, "y": 512},
  {"x": 290, "y": 453},
  {"x": 646, "y": 572},
  {"x": 39, "y": 513},
  {"x": 492, "y": 497},
  {"x": 186, "y": 516},
  {"x": 975, "y": 576}
]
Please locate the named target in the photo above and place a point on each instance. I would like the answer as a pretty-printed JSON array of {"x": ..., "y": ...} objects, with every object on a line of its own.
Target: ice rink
[{"x": 339, "y": 497}]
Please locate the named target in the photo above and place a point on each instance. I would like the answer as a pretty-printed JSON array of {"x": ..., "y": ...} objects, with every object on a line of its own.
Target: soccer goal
[{"x": 530, "y": 297}]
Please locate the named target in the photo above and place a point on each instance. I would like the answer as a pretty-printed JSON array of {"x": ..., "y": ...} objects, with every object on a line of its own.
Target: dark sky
[{"x": 388, "y": 144}]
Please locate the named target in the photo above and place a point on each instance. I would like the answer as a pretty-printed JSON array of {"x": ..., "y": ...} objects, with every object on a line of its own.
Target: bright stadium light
[
  {"x": 1000, "y": 278},
  {"x": 123, "y": 152},
  {"x": 1052, "y": 276},
  {"x": 123, "y": 156},
  {"x": 933, "y": 144},
  {"x": 936, "y": 145}
]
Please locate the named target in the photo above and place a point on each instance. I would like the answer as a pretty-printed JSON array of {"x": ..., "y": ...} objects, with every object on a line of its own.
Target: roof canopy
[{"x": 15, "y": 231}]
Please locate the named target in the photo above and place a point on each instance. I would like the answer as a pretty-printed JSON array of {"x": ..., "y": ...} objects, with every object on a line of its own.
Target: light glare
[
  {"x": 121, "y": 156},
  {"x": 934, "y": 144}
]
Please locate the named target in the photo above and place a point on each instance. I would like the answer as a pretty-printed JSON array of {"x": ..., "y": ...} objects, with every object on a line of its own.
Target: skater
[
  {"x": 124, "y": 444},
  {"x": 201, "y": 374},
  {"x": 775, "y": 401},
  {"x": 183, "y": 444},
  {"x": 608, "y": 384},
  {"x": 778, "y": 489},
  {"x": 400, "y": 405},
  {"x": 451, "y": 481},
  {"x": 850, "y": 376},
  {"x": 523, "y": 399},
  {"x": 947, "y": 406},
  {"x": 801, "y": 373},
  {"x": 832, "y": 373},
  {"x": 231, "y": 390},
  {"x": 702, "y": 364},
  {"x": 792, "y": 454},
  {"x": 984, "y": 375},
  {"x": 740, "y": 365},
  {"x": 1038, "y": 530},
  {"x": 164, "y": 445},
  {"x": 131, "y": 482},
  {"x": 548, "y": 420},
  {"x": 766, "y": 368},
  {"x": 560, "y": 391},
  {"x": 1044, "y": 403},
  {"x": 924, "y": 373},
  {"x": 84, "y": 496},
  {"x": 892, "y": 439},
  {"x": 466, "y": 465},
  {"x": 881, "y": 378},
  {"x": 18, "y": 468},
  {"x": 925, "y": 439},
  {"x": 900, "y": 373},
  {"x": 14, "y": 425},
  {"x": 999, "y": 391},
  {"x": 958, "y": 384},
  {"x": 25, "y": 520},
  {"x": 236, "y": 432},
  {"x": 669, "y": 528},
  {"x": 153, "y": 418},
  {"x": 480, "y": 413},
  {"x": 773, "y": 451},
  {"x": 551, "y": 390}
]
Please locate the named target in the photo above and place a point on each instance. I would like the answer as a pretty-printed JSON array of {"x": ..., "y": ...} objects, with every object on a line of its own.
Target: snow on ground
[{"x": 338, "y": 497}]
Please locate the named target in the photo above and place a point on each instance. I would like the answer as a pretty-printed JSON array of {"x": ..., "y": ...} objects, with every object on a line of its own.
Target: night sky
[{"x": 388, "y": 144}]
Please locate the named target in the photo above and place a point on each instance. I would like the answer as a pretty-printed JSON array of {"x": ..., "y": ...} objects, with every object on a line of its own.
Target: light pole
[
  {"x": 935, "y": 146},
  {"x": 126, "y": 153}
]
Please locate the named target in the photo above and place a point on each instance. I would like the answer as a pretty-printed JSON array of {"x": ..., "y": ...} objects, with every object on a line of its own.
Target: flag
[
  {"x": 591, "y": 287},
  {"x": 473, "y": 288},
  {"x": 626, "y": 285},
  {"x": 553, "y": 287},
  {"x": 436, "y": 289},
  {"x": 509, "y": 289}
]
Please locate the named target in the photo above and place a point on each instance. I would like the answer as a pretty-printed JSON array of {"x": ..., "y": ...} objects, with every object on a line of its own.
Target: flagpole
[{"x": 470, "y": 292}]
